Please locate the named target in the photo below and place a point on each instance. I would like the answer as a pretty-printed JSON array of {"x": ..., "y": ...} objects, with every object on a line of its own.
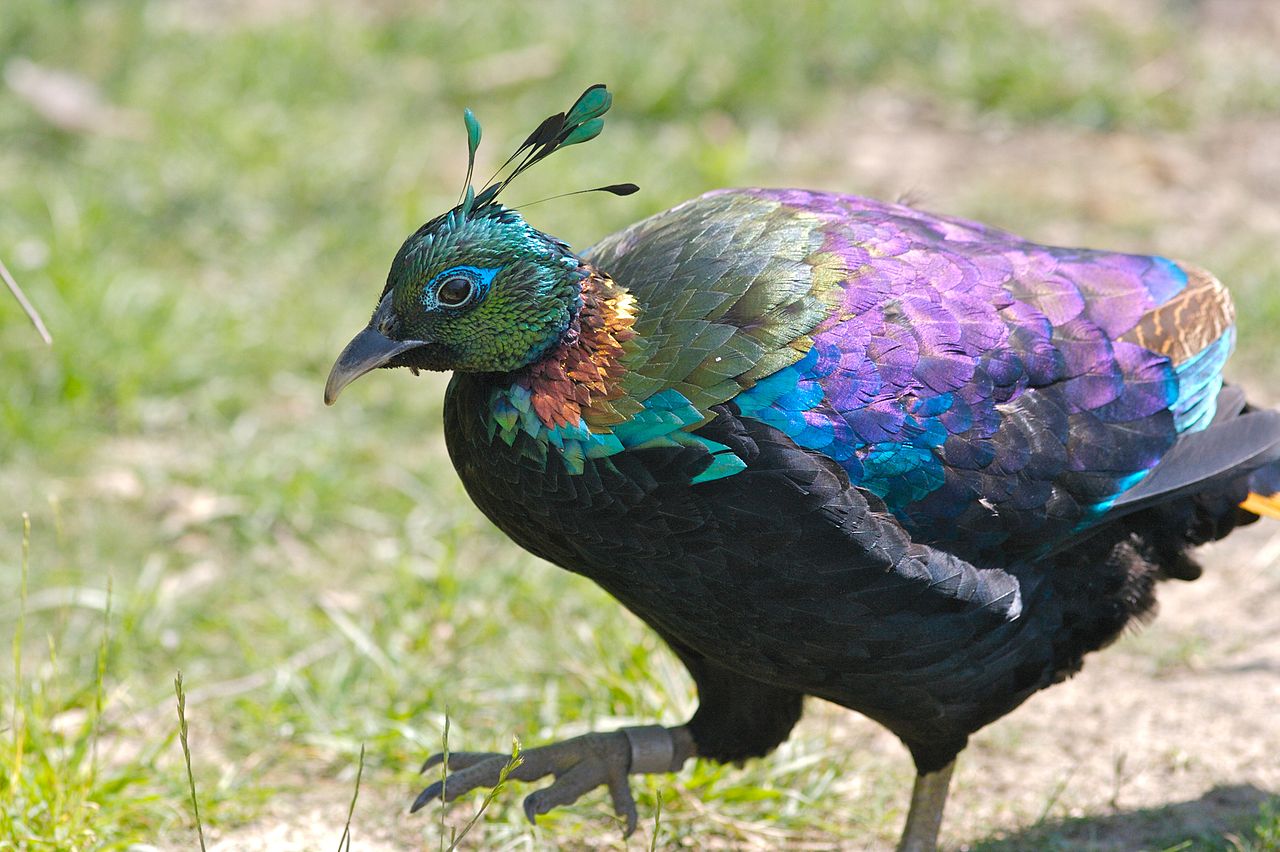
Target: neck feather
[{"x": 579, "y": 378}]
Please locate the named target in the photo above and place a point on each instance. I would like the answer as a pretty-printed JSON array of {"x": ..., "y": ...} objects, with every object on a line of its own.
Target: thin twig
[{"x": 30, "y": 309}]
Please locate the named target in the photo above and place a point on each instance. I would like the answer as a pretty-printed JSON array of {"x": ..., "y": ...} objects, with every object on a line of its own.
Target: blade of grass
[
  {"x": 27, "y": 307},
  {"x": 657, "y": 823},
  {"x": 18, "y": 736},
  {"x": 186, "y": 753},
  {"x": 344, "y": 842},
  {"x": 358, "y": 636},
  {"x": 444, "y": 777},
  {"x": 490, "y": 797},
  {"x": 1054, "y": 795},
  {"x": 99, "y": 691}
]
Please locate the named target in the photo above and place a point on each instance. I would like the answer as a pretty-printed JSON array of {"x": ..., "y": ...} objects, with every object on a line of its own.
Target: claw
[
  {"x": 467, "y": 770},
  {"x": 531, "y": 809},
  {"x": 432, "y": 791},
  {"x": 577, "y": 766}
]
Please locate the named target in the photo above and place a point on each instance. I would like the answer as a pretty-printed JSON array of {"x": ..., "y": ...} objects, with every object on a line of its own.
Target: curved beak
[{"x": 367, "y": 351}]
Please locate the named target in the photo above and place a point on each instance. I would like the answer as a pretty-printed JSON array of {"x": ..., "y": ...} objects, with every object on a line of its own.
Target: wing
[{"x": 996, "y": 394}]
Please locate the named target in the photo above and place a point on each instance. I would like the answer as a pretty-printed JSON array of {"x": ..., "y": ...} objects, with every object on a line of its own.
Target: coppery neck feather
[{"x": 579, "y": 378}]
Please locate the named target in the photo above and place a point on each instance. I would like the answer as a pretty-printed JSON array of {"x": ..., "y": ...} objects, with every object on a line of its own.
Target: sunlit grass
[{"x": 65, "y": 785}]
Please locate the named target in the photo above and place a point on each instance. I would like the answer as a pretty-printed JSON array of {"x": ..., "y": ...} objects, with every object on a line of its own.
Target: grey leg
[{"x": 928, "y": 797}]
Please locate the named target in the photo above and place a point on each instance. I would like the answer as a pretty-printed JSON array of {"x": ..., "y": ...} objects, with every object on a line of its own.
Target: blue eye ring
[
  {"x": 455, "y": 290},
  {"x": 458, "y": 287}
]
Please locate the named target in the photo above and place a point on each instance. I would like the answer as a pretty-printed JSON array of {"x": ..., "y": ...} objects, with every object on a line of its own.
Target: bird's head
[{"x": 478, "y": 288}]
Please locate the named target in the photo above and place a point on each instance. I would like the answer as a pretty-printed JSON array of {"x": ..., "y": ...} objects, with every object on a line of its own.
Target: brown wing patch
[{"x": 1190, "y": 321}]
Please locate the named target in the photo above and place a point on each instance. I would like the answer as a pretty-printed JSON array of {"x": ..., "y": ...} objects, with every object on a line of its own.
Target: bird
[{"x": 824, "y": 446}]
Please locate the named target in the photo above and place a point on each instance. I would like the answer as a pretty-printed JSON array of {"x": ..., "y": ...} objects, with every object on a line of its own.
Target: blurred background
[{"x": 202, "y": 199}]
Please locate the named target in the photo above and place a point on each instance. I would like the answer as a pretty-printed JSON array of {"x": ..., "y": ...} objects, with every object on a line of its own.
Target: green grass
[
  {"x": 56, "y": 777},
  {"x": 319, "y": 574},
  {"x": 184, "y": 738}
]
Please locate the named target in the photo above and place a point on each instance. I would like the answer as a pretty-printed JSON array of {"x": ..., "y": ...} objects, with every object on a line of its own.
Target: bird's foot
[{"x": 577, "y": 765}]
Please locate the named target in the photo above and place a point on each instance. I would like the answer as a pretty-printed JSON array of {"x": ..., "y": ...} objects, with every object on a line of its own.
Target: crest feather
[{"x": 582, "y": 122}]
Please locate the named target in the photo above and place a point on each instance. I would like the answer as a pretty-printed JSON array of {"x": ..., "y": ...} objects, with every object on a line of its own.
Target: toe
[
  {"x": 483, "y": 770},
  {"x": 427, "y": 795},
  {"x": 624, "y": 804},
  {"x": 458, "y": 759},
  {"x": 565, "y": 790},
  {"x": 486, "y": 773}
]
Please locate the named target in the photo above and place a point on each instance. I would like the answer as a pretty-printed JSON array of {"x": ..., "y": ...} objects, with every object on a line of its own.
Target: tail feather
[{"x": 1244, "y": 446}]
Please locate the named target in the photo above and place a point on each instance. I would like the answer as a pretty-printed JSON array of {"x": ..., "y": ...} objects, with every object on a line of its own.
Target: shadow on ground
[{"x": 1211, "y": 821}]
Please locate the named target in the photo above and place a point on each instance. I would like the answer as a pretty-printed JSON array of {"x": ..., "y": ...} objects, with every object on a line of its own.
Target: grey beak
[{"x": 367, "y": 351}]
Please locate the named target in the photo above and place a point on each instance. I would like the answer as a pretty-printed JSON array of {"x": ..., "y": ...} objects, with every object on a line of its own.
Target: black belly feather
[{"x": 784, "y": 580}]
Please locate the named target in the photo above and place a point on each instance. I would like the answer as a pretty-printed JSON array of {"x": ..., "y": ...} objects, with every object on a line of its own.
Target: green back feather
[{"x": 729, "y": 307}]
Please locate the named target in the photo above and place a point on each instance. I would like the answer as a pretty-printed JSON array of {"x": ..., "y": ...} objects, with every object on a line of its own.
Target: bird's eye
[
  {"x": 455, "y": 291},
  {"x": 457, "y": 287}
]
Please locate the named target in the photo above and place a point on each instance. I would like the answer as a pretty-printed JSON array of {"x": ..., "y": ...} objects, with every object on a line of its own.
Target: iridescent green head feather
[
  {"x": 478, "y": 288},
  {"x": 487, "y": 291}
]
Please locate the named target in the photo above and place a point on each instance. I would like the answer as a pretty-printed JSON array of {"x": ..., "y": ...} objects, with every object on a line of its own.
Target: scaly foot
[{"x": 578, "y": 765}]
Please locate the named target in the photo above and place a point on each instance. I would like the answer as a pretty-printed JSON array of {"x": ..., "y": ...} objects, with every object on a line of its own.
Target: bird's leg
[
  {"x": 928, "y": 797},
  {"x": 577, "y": 765}
]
